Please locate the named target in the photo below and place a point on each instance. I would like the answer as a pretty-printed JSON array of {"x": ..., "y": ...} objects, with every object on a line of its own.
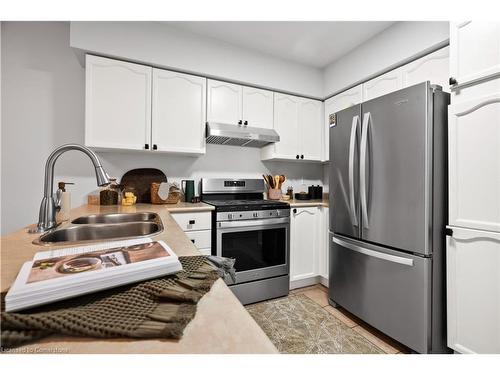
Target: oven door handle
[{"x": 252, "y": 223}]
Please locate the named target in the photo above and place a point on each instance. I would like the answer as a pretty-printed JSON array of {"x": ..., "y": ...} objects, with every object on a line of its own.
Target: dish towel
[{"x": 157, "y": 308}]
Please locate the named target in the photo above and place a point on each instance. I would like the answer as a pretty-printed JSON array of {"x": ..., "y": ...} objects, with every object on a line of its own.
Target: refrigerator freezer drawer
[{"x": 387, "y": 289}]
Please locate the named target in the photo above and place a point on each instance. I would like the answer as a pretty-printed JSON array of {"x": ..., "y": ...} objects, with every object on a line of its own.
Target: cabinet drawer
[
  {"x": 201, "y": 239},
  {"x": 193, "y": 220}
]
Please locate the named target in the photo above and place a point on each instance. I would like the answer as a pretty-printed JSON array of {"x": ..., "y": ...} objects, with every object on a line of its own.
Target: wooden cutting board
[{"x": 140, "y": 180}]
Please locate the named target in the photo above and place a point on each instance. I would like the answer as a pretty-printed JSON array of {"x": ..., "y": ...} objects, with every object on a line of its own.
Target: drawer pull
[
  {"x": 373, "y": 253},
  {"x": 192, "y": 240},
  {"x": 191, "y": 222}
]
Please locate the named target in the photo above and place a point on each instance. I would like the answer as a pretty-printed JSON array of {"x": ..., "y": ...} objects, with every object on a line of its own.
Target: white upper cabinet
[
  {"x": 117, "y": 104},
  {"x": 224, "y": 102},
  {"x": 475, "y": 50},
  {"x": 384, "y": 84},
  {"x": 286, "y": 123},
  {"x": 337, "y": 103},
  {"x": 434, "y": 67},
  {"x": 310, "y": 130},
  {"x": 473, "y": 295},
  {"x": 258, "y": 107},
  {"x": 474, "y": 163},
  {"x": 179, "y": 110},
  {"x": 304, "y": 243},
  {"x": 298, "y": 122}
]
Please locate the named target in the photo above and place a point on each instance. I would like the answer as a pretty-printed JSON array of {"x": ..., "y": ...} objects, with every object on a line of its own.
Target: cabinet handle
[
  {"x": 192, "y": 222},
  {"x": 245, "y": 123},
  {"x": 192, "y": 240},
  {"x": 302, "y": 156},
  {"x": 240, "y": 122},
  {"x": 146, "y": 146},
  {"x": 155, "y": 147},
  {"x": 453, "y": 81},
  {"x": 297, "y": 156},
  {"x": 294, "y": 210}
]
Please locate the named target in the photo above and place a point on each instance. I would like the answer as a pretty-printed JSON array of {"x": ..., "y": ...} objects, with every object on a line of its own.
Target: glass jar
[{"x": 109, "y": 195}]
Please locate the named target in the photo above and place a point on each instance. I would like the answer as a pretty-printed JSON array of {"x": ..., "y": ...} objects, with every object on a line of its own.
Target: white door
[
  {"x": 337, "y": 103},
  {"x": 474, "y": 163},
  {"x": 473, "y": 291},
  {"x": 434, "y": 67},
  {"x": 475, "y": 50},
  {"x": 384, "y": 84},
  {"x": 258, "y": 107},
  {"x": 310, "y": 129},
  {"x": 117, "y": 104},
  {"x": 179, "y": 109},
  {"x": 304, "y": 243},
  {"x": 224, "y": 102},
  {"x": 286, "y": 121}
]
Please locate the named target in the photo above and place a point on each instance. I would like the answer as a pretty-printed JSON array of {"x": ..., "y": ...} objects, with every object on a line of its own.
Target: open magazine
[{"x": 64, "y": 273}]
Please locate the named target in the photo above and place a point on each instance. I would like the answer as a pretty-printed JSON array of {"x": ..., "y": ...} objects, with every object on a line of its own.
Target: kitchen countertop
[
  {"x": 221, "y": 324},
  {"x": 308, "y": 203}
]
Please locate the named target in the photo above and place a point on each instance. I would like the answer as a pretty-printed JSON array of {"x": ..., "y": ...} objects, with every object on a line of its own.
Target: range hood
[{"x": 240, "y": 135}]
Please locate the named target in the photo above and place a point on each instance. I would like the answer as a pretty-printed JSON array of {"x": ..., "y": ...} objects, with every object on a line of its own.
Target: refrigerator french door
[{"x": 387, "y": 169}]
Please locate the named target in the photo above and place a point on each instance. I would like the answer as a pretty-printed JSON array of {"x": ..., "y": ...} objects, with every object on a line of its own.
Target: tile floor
[{"x": 318, "y": 293}]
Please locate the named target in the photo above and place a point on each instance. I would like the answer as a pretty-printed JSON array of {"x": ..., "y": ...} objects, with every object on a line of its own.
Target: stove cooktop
[{"x": 246, "y": 204}]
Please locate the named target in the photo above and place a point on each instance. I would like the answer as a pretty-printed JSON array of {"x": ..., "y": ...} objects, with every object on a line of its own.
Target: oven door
[{"x": 260, "y": 247}]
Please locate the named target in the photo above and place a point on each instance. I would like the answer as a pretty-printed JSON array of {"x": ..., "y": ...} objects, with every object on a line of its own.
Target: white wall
[
  {"x": 392, "y": 46},
  {"x": 43, "y": 90},
  {"x": 165, "y": 46}
]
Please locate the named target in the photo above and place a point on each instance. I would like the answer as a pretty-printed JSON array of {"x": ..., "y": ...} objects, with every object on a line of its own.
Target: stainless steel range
[{"x": 255, "y": 232}]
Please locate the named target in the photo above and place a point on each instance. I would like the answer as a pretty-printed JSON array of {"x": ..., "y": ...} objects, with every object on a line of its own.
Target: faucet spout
[{"x": 48, "y": 207}]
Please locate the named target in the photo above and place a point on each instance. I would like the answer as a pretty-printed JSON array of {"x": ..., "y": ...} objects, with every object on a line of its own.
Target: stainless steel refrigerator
[{"x": 388, "y": 214}]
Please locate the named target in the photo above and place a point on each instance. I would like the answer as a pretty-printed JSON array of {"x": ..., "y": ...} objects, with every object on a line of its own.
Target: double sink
[{"x": 113, "y": 226}]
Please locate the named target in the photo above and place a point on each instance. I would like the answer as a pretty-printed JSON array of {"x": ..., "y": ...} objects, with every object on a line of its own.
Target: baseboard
[
  {"x": 323, "y": 281},
  {"x": 302, "y": 283}
]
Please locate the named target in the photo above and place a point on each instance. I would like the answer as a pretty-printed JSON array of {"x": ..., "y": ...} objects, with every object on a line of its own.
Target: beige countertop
[
  {"x": 308, "y": 203},
  {"x": 221, "y": 324}
]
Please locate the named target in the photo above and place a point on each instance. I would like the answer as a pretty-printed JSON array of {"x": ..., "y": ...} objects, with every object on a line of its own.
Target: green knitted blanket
[{"x": 158, "y": 308}]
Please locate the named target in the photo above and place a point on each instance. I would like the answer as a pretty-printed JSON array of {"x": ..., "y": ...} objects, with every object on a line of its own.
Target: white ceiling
[{"x": 315, "y": 44}]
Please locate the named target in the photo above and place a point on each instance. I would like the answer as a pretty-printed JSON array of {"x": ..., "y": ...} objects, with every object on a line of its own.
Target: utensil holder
[{"x": 274, "y": 194}]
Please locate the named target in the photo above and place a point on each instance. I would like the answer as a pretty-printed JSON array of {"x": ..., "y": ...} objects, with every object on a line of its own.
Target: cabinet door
[
  {"x": 434, "y": 67},
  {"x": 473, "y": 291},
  {"x": 223, "y": 102},
  {"x": 304, "y": 243},
  {"x": 258, "y": 107},
  {"x": 324, "y": 244},
  {"x": 117, "y": 104},
  {"x": 337, "y": 103},
  {"x": 475, "y": 50},
  {"x": 384, "y": 84},
  {"x": 179, "y": 107},
  {"x": 310, "y": 121},
  {"x": 286, "y": 121},
  {"x": 474, "y": 163}
]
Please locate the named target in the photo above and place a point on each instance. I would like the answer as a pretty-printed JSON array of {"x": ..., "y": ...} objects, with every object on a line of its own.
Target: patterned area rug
[{"x": 298, "y": 325}]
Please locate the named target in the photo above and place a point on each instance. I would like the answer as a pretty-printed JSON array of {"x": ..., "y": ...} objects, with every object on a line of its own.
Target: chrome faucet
[{"x": 50, "y": 206}]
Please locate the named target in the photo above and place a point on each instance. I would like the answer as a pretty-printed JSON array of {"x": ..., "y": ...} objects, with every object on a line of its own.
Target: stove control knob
[
  {"x": 229, "y": 216},
  {"x": 255, "y": 214}
]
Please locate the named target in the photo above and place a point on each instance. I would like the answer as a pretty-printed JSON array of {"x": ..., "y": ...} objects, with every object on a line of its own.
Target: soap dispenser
[{"x": 64, "y": 201}]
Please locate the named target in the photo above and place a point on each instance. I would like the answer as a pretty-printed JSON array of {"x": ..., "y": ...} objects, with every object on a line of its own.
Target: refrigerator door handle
[
  {"x": 373, "y": 253},
  {"x": 352, "y": 150},
  {"x": 362, "y": 168}
]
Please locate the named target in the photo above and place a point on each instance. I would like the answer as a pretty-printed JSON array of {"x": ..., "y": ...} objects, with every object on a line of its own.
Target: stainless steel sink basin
[
  {"x": 116, "y": 218},
  {"x": 96, "y": 232}
]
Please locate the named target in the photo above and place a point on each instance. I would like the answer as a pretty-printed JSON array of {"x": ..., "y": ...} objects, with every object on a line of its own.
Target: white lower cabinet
[
  {"x": 197, "y": 226},
  {"x": 304, "y": 243},
  {"x": 308, "y": 246},
  {"x": 473, "y": 291}
]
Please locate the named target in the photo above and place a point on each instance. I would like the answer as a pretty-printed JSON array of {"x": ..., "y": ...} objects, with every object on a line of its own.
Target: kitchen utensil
[
  {"x": 266, "y": 180},
  {"x": 276, "y": 182},
  {"x": 302, "y": 196},
  {"x": 187, "y": 187},
  {"x": 140, "y": 181},
  {"x": 282, "y": 179}
]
